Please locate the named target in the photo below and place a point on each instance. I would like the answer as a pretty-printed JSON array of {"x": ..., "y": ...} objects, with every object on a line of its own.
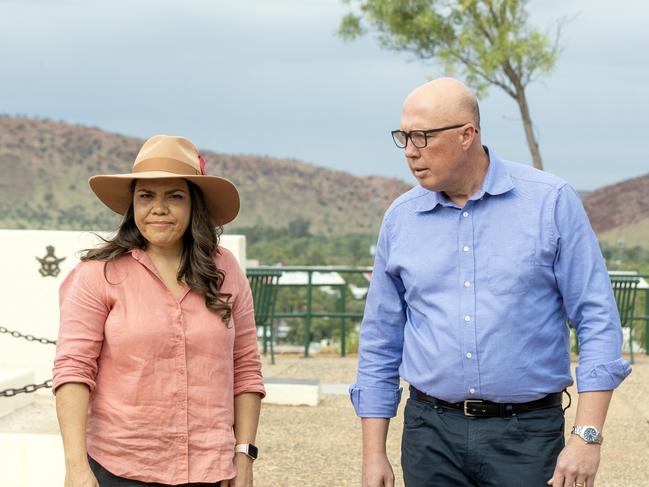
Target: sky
[{"x": 271, "y": 77}]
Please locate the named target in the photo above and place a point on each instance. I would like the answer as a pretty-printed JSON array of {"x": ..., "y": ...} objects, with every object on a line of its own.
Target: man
[{"x": 476, "y": 271}]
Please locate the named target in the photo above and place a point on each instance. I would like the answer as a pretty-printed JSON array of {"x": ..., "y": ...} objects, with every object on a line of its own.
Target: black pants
[
  {"x": 107, "y": 479},
  {"x": 442, "y": 447}
]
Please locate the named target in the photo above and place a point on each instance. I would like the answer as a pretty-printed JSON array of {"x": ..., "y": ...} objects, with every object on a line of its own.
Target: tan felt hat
[{"x": 167, "y": 156}]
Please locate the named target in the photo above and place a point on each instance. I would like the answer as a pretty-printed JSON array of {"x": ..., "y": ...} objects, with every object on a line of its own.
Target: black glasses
[{"x": 419, "y": 138}]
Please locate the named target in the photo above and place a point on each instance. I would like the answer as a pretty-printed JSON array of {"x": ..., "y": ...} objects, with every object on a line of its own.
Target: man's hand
[
  {"x": 377, "y": 471},
  {"x": 577, "y": 464},
  {"x": 243, "y": 464}
]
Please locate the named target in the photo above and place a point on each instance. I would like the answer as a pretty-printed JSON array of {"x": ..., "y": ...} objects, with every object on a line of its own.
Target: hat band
[{"x": 166, "y": 165}]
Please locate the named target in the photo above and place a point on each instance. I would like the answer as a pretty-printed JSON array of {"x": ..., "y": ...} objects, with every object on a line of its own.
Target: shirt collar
[
  {"x": 497, "y": 181},
  {"x": 141, "y": 256},
  {"x": 137, "y": 254}
]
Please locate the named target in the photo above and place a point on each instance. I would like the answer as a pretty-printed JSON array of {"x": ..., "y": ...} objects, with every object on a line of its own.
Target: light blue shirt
[{"x": 472, "y": 302}]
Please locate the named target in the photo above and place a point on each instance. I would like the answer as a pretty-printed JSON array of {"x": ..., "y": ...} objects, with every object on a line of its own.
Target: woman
[{"x": 157, "y": 375}]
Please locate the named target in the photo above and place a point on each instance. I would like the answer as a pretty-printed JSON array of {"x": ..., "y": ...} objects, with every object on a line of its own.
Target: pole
[
  {"x": 307, "y": 328},
  {"x": 343, "y": 331}
]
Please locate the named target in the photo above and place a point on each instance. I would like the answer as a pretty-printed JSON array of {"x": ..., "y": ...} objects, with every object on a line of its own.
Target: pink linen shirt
[{"x": 162, "y": 372}]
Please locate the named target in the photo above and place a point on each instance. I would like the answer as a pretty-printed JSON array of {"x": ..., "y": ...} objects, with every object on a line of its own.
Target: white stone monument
[
  {"x": 29, "y": 292},
  {"x": 32, "y": 273}
]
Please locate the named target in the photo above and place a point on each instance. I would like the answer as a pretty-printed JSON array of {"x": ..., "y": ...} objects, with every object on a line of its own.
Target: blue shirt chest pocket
[{"x": 511, "y": 270}]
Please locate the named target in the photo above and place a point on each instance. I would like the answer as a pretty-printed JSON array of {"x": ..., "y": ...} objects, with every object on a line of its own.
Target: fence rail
[
  {"x": 644, "y": 291},
  {"x": 341, "y": 313}
]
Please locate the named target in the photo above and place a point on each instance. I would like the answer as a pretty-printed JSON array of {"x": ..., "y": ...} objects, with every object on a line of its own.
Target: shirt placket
[
  {"x": 467, "y": 292},
  {"x": 182, "y": 426}
]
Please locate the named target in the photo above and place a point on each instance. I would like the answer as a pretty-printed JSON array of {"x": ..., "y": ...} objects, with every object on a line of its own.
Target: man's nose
[{"x": 411, "y": 150}]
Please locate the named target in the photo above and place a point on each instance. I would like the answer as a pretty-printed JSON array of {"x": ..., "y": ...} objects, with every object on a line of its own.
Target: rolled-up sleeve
[
  {"x": 83, "y": 312},
  {"x": 247, "y": 363},
  {"x": 585, "y": 286},
  {"x": 376, "y": 393}
]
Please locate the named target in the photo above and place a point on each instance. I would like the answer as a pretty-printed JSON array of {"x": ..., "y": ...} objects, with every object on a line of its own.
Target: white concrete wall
[
  {"x": 31, "y": 460},
  {"x": 29, "y": 301},
  {"x": 15, "y": 379},
  {"x": 292, "y": 392}
]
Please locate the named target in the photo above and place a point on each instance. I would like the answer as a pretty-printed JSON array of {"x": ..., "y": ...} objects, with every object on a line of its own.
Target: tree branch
[{"x": 494, "y": 81}]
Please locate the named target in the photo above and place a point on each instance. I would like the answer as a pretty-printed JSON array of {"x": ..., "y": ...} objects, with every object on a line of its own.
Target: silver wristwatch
[{"x": 590, "y": 434}]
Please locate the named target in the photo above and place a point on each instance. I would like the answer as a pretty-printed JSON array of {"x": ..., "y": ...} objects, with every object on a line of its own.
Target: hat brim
[{"x": 221, "y": 196}]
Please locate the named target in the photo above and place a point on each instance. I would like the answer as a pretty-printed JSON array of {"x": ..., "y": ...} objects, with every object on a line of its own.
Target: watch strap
[
  {"x": 588, "y": 433},
  {"x": 248, "y": 449}
]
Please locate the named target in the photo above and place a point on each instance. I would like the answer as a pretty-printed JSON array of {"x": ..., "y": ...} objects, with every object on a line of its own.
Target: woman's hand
[
  {"x": 243, "y": 464},
  {"x": 80, "y": 477}
]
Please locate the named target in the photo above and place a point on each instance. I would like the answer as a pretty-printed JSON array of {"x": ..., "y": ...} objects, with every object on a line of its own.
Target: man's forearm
[
  {"x": 375, "y": 433},
  {"x": 592, "y": 408},
  {"x": 72, "y": 411}
]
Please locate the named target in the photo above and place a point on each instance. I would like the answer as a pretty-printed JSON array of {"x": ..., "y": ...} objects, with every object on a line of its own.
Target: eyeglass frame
[{"x": 425, "y": 132}]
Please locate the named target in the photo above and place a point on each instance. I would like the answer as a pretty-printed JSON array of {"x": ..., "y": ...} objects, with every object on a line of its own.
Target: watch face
[
  {"x": 252, "y": 451},
  {"x": 590, "y": 434}
]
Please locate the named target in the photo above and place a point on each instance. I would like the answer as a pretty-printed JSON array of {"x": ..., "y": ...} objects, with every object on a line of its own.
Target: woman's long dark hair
[{"x": 200, "y": 242}]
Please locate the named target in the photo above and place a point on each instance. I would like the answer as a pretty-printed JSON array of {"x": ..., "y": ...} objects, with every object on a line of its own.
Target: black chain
[
  {"x": 29, "y": 338},
  {"x": 29, "y": 388},
  {"x": 26, "y": 389}
]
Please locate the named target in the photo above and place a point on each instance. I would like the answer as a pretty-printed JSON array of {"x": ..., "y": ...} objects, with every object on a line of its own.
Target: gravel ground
[{"x": 320, "y": 446}]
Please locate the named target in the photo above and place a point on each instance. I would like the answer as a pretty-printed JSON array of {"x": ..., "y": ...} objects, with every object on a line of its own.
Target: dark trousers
[
  {"x": 442, "y": 447},
  {"x": 107, "y": 479}
]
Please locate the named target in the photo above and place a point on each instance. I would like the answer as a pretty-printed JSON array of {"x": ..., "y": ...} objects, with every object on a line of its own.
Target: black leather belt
[{"x": 486, "y": 409}]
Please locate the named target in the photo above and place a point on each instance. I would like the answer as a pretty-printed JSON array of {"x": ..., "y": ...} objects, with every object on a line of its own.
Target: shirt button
[
  {"x": 469, "y": 355},
  {"x": 465, "y": 214},
  {"x": 467, "y": 283},
  {"x": 472, "y": 391},
  {"x": 465, "y": 248},
  {"x": 467, "y": 318},
  {"x": 182, "y": 438}
]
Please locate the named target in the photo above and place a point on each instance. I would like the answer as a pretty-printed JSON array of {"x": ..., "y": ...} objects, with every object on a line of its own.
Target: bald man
[{"x": 477, "y": 270}]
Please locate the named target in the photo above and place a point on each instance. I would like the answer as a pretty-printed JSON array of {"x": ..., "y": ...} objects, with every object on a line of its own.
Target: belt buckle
[{"x": 471, "y": 401}]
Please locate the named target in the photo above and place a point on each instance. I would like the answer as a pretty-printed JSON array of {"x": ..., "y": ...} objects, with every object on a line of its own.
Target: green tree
[
  {"x": 299, "y": 227},
  {"x": 491, "y": 41}
]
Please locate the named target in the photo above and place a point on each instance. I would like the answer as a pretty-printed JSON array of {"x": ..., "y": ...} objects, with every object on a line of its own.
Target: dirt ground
[{"x": 321, "y": 446}]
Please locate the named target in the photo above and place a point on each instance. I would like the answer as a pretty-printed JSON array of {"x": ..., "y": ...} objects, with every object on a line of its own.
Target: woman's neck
[{"x": 168, "y": 254}]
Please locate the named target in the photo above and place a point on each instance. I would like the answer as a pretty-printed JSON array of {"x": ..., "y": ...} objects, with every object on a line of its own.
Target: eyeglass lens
[{"x": 417, "y": 137}]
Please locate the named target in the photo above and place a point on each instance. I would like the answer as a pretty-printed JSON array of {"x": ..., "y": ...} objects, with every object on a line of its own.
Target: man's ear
[{"x": 468, "y": 134}]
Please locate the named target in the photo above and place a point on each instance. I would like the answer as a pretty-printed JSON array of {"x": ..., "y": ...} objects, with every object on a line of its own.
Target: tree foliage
[
  {"x": 295, "y": 245},
  {"x": 491, "y": 41}
]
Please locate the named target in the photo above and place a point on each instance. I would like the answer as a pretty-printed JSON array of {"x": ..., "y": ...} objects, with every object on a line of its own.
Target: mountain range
[{"x": 46, "y": 165}]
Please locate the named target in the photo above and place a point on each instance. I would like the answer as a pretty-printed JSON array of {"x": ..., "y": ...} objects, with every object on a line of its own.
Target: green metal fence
[
  {"x": 625, "y": 290},
  {"x": 308, "y": 314},
  {"x": 640, "y": 309},
  {"x": 263, "y": 284}
]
